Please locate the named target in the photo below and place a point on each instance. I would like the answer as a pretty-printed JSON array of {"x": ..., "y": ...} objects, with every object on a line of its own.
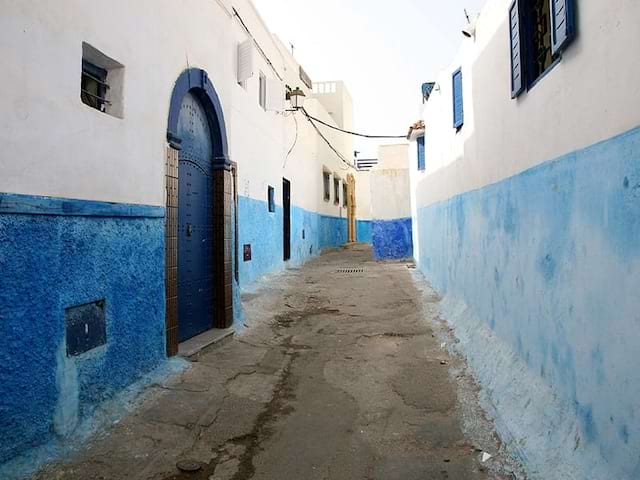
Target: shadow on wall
[{"x": 364, "y": 231}]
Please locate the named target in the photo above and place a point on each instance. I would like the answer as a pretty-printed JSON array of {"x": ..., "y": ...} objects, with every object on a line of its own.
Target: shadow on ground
[{"x": 341, "y": 374}]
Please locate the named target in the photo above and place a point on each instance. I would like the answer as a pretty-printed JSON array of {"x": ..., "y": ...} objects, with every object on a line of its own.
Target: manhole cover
[
  {"x": 189, "y": 465},
  {"x": 351, "y": 270}
]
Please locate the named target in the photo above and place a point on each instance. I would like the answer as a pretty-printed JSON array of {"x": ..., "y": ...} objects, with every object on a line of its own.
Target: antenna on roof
[
  {"x": 292, "y": 48},
  {"x": 469, "y": 30}
]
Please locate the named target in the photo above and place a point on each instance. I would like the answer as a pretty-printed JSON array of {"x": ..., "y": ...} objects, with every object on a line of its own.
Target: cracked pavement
[{"x": 338, "y": 376}]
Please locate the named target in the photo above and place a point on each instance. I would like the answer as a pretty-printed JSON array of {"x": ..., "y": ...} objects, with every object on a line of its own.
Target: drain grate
[{"x": 351, "y": 270}]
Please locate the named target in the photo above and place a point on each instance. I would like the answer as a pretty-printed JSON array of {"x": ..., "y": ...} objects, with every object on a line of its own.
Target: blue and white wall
[
  {"x": 527, "y": 221},
  {"x": 82, "y": 193},
  {"x": 391, "y": 204},
  {"x": 364, "y": 223},
  {"x": 285, "y": 145}
]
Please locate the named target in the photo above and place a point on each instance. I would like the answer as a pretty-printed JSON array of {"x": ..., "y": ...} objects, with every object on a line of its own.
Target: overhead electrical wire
[
  {"x": 348, "y": 131},
  {"x": 319, "y": 132}
]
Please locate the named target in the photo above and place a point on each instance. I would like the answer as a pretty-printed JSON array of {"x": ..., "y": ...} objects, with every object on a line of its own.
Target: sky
[{"x": 384, "y": 51}]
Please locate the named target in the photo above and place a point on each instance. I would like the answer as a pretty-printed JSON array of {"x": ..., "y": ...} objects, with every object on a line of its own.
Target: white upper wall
[
  {"x": 390, "y": 183},
  {"x": 363, "y": 195},
  {"x": 54, "y": 145},
  {"x": 336, "y": 99},
  {"x": 592, "y": 94},
  {"x": 393, "y": 156}
]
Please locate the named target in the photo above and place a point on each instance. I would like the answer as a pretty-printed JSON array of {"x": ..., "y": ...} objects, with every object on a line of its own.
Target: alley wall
[
  {"x": 83, "y": 193},
  {"x": 526, "y": 219},
  {"x": 391, "y": 204}
]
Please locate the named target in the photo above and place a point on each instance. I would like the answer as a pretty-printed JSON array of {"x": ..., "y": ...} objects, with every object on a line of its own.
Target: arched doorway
[{"x": 198, "y": 226}]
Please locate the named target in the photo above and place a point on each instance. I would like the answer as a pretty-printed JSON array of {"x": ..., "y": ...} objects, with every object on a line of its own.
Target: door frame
[
  {"x": 286, "y": 219},
  {"x": 196, "y": 81},
  {"x": 351, "y": 208}
]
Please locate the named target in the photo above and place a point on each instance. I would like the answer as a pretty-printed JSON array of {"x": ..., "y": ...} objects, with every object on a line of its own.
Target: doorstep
[{"x": 195, "y": 345}]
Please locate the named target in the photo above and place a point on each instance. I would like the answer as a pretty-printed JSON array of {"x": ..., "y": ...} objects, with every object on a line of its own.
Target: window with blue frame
[
  {"x": 539, "y": 31},
  {"x": 271, "y": 199},
  {"x": 421, "y": 163},
  {"x": 458, "y": 104}
]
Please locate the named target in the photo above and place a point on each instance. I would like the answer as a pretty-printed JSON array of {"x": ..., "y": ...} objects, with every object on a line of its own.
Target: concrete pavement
[{"x": 340, "y": 374}]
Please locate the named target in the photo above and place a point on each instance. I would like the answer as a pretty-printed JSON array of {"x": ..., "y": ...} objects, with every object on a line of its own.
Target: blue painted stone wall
[
  {"x": 550, "y": 260},
  {"x": 392, "y": 239},
  {"x": 364, "y": 231},
  {"x": 49, "y": 263},
  {"x": 333, "y": 231},
  {"x": 263, "y": 230},
  {"x": 305, "y": 235}
]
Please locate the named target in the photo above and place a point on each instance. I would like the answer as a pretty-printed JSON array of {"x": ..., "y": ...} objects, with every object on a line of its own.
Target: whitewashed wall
[
  {"x": 363, "y": 195},
  {"x": 587, "y": 101},
  {"x": 390, "y": 183},
  {"x": 54, "y": 145},
  {"x": 540, "y": 262}
]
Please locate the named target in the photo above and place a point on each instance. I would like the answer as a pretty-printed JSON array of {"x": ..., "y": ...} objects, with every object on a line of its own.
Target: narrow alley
[
  {"x": 338, "y": 375},
  {"x": 258, "y": 239}
]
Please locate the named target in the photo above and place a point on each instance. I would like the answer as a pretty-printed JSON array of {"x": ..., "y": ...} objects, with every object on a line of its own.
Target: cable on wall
[
  {"x": 295, "y": 141},
  {"x": 264, "y": 55}
]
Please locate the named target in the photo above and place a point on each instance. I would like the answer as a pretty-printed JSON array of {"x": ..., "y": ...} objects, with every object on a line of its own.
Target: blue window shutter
[
  {"x": 421, "y": 163},
  {"x": 562, "y": 24},
  {"x": 517, "y": 84},
  {"x": 458, "y": 106}
]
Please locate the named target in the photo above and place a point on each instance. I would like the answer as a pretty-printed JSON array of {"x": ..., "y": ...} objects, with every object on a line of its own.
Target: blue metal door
[{"x": 195, "y": 221}]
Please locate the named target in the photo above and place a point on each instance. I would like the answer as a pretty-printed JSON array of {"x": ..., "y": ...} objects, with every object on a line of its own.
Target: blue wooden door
[{"x": 195, "y": 221}]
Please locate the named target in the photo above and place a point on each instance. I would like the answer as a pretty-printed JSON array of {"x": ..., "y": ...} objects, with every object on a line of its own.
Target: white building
[
  {"x": 150, "y": 169},
  {"x": 526, "y": 217},
  {"x": 389, "y": 185}
]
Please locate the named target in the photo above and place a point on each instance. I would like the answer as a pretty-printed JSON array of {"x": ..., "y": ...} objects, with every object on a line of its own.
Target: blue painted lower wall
[
  {"x": 333, "y": 231},
  {"x": 263, "y": 230},
  {"x": 47, "y": 264},
  {"x": 550, "y": 261},
  {"x": 392, "y": 239},
  {"x": 364, "y": 231},
  {"x": 58, "y": 253}
]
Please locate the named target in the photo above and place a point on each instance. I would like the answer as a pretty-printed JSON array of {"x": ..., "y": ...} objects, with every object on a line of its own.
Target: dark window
[
  {"x": 427, "y": 88},
  {"x": 93, "y": 88},
  {"x": 458, "y": 105},
  {"x": 539, "y": 38},
  {"x": 271, "y": 199},
  {"x": 262, "y": 94},
  {"x": 336, "y": 191},
  {"x": 326, "y": 181},
  {"x": 421, "y": 163},
  {"x": 86, "y": 327},
  {"x": 539, "y": 31},
  {"x": 345, "y": 195}
]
